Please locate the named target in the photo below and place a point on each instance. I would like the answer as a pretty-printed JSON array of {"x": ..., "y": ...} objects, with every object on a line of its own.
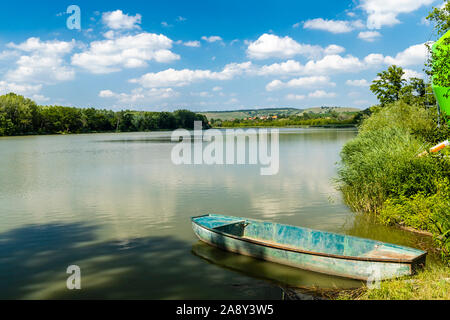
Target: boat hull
[{"x": 343, "y": 267}]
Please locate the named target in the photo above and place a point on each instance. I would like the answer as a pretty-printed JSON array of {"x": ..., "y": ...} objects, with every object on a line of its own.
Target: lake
[{"x": 116, "y": 206}]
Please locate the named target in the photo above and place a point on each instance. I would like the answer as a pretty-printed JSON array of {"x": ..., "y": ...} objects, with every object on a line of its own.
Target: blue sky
[{"x": 209, "y": 55}]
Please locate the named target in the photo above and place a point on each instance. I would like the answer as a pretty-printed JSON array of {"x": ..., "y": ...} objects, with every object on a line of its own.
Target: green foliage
[
  {"x": 19, "y": 116},
  {"x": 331, "y": 118},
  {"x": 388, "y": 85},
  {"x": 381, "y": 174},
  {"x": 441, "y": 18},
  {"x": 424, "y": 211},
  {"x": 438, "y": 65},
  {"x": 369, "y": 163}
]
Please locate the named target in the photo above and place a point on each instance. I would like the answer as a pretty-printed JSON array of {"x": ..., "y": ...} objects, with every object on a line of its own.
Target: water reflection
[
  {"x": 34, "y": 259},
  {"x": 117, "y": 205},
  {"x": 276, "y": 273}
]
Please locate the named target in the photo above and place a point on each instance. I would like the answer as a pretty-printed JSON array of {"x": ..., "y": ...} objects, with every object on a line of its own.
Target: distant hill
[{"x": 241, "y": 114}]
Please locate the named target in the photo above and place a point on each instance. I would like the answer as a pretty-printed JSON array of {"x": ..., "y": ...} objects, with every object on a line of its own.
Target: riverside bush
[{"x": 381, "y": 174}]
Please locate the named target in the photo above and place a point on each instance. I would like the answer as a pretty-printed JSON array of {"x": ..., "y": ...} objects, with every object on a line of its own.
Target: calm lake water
[{"x": 115, "y": 205}]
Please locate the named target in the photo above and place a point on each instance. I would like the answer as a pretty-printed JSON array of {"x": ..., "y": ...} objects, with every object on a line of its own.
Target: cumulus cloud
[
  {"x": 304, "y": 82},
  {"x": 297, "y": 97},
  {"x": 272, "y": 46},
  {"x": 412, "y": 74},
  {"x": 358, "y": 83},
  {"x": 23, "y": 89},
  {"x": 333, "y": 26},
  {"x": 140, "y": 95},
  {"x": 369, "y": 36},
  {"x": 330, "y": 64},
  {"x": 334, "y": 64},
  {"x": 321, "y": 94},
  {"x": 385, "y": 12},
  {"x": 118, "y": 20},
  {"x": 41, "y": 61},
  {"x": 178, "y": 78},
  {"x": 130, "y": 51},
  {"x": 211, "y": 39},
  {"x": 194, "y": 44},
  {"x": 414, "y": 55},
  {"x": 333, "y": 49}
]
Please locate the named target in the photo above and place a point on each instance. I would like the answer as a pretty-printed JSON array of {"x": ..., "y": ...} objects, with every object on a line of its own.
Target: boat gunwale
[{"x": 315, "y": 253}]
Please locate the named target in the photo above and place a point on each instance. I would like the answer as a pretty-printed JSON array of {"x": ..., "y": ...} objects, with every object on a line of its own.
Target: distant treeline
[
  {"x": 332, "y": 118},
  {"x": 21, "y": 116}
]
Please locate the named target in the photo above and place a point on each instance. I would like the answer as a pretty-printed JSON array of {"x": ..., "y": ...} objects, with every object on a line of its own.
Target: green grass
[
  {"x": 382, "y": 175},
  {"x": 433, "y": 283}
]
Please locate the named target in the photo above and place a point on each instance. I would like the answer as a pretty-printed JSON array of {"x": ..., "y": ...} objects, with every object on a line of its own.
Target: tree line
[
  {"x": 22, "y": 116},
  {"x": 332, "y": 118}
]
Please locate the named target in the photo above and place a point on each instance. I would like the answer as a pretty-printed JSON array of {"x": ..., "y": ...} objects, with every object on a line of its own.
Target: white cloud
[
  {"x": 412, "y": 74},
  {"x": 333, "y": 26},
  {"x": 334, "y": 64},
  {"x": 283, "y": 68},
  {"x": 358, "y": 83},
  {"x": 23, "y": 89},
  {"x": 384, "y": 12},
  {"x": 329, "y": 64},
  {"x": 333, "y": 49},
  {"x": 34, "y": 45},
  {"x": 374, "y": 59},
  {"x": 43, "y": 61},
  {"x": 194, "y": 44},
  {"x": 178, "y": 78},
  {"x": 112, "y": 55},
  {"x": 211, "y": 39},
  {"x": 39, "y": 98},
  {"x": 215, "y": 89},
  {"x": 414, "y": 55},
  {"x": 272, "y": 46},
  {"x": 292, "y": 96},
  {"x": 321, "y": 94},
  {"x": 369, "y": 36},
  {"x": 140, "y": 95},
  {"x": 118, "y": 20},
  {"x": 202, "y": 94},
  {"x": 304, "y": 82}
]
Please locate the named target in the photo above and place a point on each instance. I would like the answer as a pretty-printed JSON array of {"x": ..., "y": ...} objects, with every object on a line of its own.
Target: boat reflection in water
[{"x": 280, "y": 275}]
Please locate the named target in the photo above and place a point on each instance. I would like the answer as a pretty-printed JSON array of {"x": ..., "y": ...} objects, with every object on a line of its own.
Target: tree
[
  {"x": 438, "y": 65},
  {"x": 19, "y": 115},
  {"x": 441, "y": 18},
  {"x": 387, "y": 87}
]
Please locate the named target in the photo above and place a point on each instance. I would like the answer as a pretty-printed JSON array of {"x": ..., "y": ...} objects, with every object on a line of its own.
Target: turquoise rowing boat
[{"x": 308, "y": 249}]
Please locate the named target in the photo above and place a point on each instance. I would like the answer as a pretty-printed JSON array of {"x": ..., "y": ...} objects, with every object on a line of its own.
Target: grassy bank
[
  {"x": 382, "y": 175},
  {"x": 429, "y": 284}
]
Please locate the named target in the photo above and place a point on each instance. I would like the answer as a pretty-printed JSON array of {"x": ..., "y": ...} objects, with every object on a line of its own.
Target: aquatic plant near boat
[{"x": 381, "y": 174}]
